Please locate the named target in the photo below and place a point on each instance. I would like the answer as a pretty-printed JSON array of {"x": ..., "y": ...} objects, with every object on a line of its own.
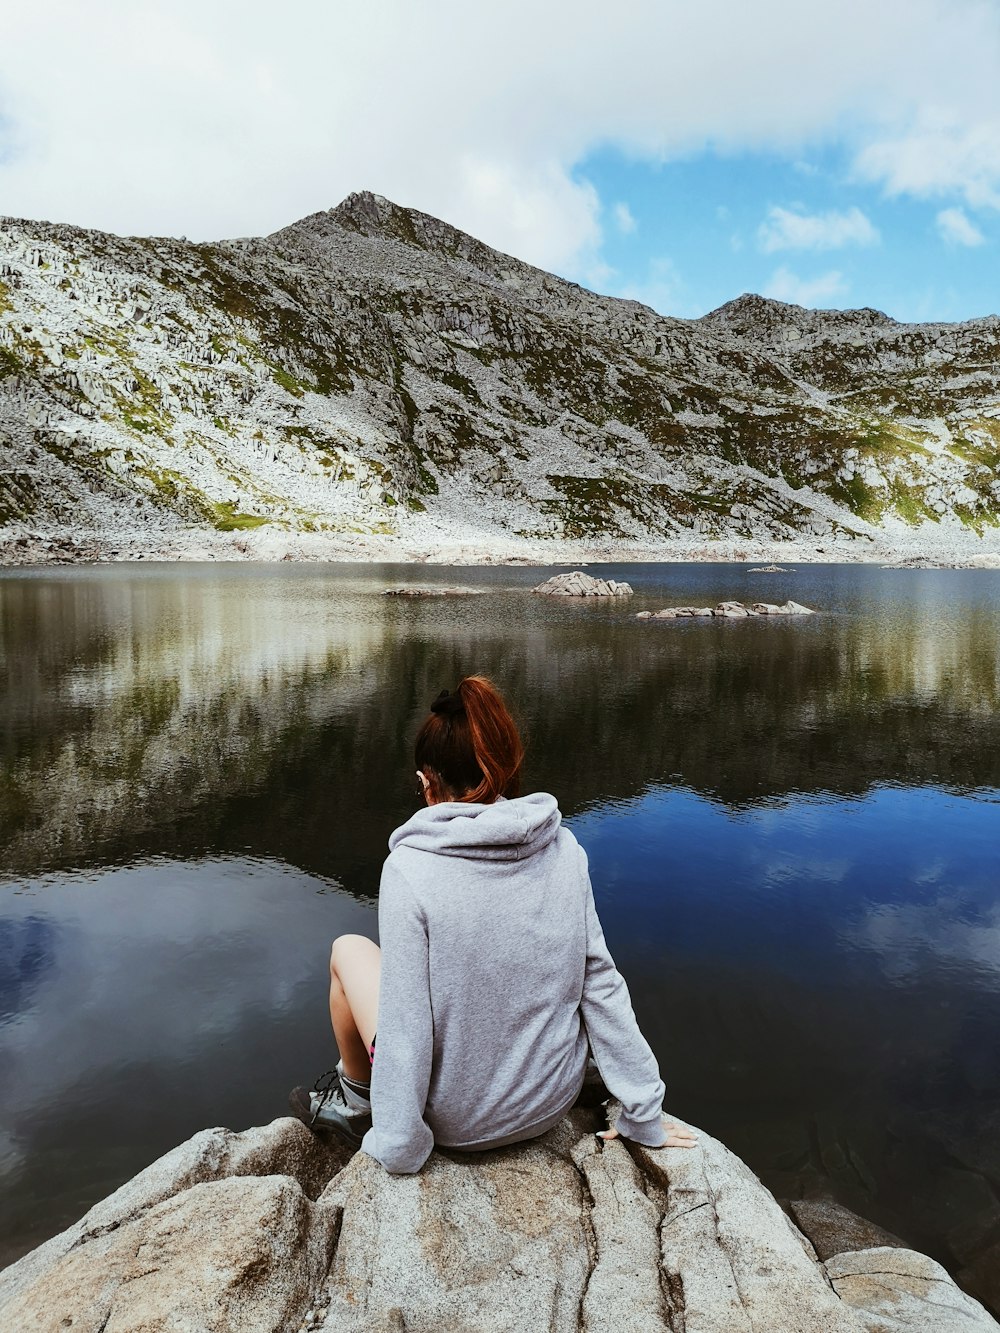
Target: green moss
[
  {"x": 885, "y": 440},
  {"x": 415, "y": 505},
  {"x": 10, "y": 363},
  {"x": 18, "y": 496},
  {"x": 227, "y": 519},
  {"x": 288, "y": 382},
  {"x": 980, "y": 453},
  {"x": 230, "y": 292},
  {"x": 6, "y": 303},
  {"x": 587, "y": 505},
  {"x": 486, "y": 355},
  {"x": 568, "y": 374},
  {"x": 860, "y": 498},
  {"x": 142, "y": 424},
  {"x": 167, "y": 485},
  {"x": 428, "y": 482},
  {"x": 909, "y": 503},
  {"x": 461, "y": 384}
]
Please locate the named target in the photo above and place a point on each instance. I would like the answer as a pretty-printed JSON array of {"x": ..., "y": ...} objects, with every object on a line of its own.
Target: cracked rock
[{"x": 271, "y": 1230}]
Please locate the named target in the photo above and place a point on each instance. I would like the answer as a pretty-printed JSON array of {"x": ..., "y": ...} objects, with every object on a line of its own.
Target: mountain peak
[
  {"x": 750, "y": 313},
  {"x": 373, "y": 215},
  {"x": 752, "y": 306}
]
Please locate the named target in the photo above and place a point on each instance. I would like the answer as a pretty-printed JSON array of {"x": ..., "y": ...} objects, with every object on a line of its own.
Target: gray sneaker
[{"x": 324, "y": 1107}]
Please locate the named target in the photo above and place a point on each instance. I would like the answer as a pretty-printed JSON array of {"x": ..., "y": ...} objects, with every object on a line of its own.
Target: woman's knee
[{"x": 347, "y": 949}]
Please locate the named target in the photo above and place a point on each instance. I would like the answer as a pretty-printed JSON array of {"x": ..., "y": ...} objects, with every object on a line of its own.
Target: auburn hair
[{"x": 471, "y": 744}]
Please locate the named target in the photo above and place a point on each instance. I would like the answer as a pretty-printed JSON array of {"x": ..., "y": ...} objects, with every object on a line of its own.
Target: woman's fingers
[{"x": 678, "y": 1136}]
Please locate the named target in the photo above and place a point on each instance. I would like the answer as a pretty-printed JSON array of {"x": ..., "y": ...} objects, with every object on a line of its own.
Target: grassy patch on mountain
[
  {"x": 18, "y": 496},
  {"x": 10, "y": 363},
  {"x": 227, "y": 518}
]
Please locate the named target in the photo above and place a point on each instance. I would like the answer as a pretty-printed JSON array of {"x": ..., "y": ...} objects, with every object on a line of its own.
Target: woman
[{"x": 493, "y": 978}]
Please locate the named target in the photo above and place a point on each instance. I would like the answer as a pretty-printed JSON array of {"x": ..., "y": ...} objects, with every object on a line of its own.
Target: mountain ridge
[{"x": 373, "y": 372}]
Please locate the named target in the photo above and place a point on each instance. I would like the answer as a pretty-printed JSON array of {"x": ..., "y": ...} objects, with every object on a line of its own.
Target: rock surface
[
  {"x": 236, "y": 1233},
  {"x": 434, "y": 590},
  {"x": 370, "y": 375},
  {"x": 726, "y": 611},
  {"x": 578, "y": 584}
]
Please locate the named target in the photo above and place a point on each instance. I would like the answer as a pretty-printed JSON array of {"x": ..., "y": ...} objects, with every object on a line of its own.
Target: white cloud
[
  {"x": 784, "y": 285},
  {"x": 940, "y": 153},
  {"x": 786, "y": 229},
  {"x": 624, "y": 220},
  {"x": 957, "y": 228},
  {"x": 913, "y": 936},
  {"x": 184, "y": 118}
]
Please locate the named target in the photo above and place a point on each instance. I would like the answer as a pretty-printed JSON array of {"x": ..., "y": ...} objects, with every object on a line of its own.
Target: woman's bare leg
[{"x": 355, "y": 968}]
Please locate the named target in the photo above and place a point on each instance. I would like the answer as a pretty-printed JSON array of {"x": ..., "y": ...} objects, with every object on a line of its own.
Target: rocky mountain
[{"x": 371, "y": 372}]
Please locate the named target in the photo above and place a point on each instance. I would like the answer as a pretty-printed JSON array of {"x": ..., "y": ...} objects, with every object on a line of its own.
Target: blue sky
[
  {"x": 830, "y": 152},
  {"x": 686, "y": 236}
]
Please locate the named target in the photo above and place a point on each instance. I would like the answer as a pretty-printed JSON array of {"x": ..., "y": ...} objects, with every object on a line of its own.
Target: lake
[{"x": 792, "y": 827}]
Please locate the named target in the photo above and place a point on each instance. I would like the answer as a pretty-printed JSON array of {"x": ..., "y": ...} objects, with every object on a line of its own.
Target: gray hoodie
[{"x": 495, "y": 975}]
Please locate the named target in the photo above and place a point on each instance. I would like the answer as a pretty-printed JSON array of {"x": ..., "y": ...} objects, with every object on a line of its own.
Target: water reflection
[
  {"x": 821, "y": 981},
  {"x": 148, "y": 1002},
  {"x": 26, "y": 954},
  {"x": 208, "y": 711},
  {"x": 791, "y": 827}
]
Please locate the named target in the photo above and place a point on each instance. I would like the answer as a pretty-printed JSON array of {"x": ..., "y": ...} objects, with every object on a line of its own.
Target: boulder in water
[{"x": 579, "y": 584}]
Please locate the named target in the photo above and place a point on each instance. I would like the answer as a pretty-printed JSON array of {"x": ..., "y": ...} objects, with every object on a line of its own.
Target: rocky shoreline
[
  {"x": 20, "y": 546},
  {"x": 274, "y": 1229}
]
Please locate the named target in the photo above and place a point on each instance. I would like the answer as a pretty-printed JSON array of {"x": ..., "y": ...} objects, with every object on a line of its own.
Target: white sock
[{"x": 357, "y": 1095}]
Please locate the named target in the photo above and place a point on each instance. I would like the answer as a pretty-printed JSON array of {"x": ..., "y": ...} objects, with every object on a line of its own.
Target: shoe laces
[{"x": 325, "y": 1089}]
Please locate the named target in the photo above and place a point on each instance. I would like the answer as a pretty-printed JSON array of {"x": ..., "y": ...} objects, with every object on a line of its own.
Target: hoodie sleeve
[
  {"x": 628, "y": 1066},
  {"x": 400, "y": 1138}
]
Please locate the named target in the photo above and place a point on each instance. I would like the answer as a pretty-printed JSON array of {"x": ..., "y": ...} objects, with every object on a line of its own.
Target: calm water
[{"x": 792, "y": 829}]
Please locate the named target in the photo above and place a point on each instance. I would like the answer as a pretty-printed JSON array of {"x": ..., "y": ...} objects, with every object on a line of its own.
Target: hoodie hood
[{"x": 503, "y": 831}]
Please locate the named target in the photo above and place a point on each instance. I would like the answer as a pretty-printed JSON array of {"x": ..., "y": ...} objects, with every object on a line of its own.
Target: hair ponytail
[{"x": 471, "y": 742}]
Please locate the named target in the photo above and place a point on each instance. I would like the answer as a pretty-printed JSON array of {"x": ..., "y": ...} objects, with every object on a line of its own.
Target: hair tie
[{"x": 448, "y": 704}]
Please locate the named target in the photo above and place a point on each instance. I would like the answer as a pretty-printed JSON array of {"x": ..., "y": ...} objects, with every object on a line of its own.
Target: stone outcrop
[
  {"x": 727, "y": 611},
  {"x": 226, "y": 1232},
  {"x": 271, "y": 1230},
  {"x": 578, "y": 584},
  {"x": 434, "y": 590},
  {"x": 372, "y": 372}
]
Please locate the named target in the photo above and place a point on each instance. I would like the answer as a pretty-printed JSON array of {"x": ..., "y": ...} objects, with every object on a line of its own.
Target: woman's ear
[{"x": 428, "y": 786}]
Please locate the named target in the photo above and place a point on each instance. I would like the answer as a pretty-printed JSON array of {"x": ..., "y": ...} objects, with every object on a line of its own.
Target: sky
[{"x": 831, "y": 153}]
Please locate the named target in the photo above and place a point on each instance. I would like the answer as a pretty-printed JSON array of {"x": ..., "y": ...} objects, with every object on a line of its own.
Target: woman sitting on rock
[{"x": 493, "y": 984}]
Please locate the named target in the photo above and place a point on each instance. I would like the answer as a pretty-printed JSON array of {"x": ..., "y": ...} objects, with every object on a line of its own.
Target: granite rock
[
  {"x": 236, "y": 1233},
  {"x": 726, "y": 611},
  {"x": 579, "y": 584}
]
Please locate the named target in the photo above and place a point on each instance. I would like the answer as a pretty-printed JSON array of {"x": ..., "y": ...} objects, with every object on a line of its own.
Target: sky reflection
[
  {"x": 145, "y": 1002},
  {"x": 791, "y": 829}
]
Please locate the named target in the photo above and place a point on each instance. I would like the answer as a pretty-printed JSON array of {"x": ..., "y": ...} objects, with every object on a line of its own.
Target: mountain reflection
[
  {"x": 202, "y": 710},
  {"x": 790, "y": 825}
]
